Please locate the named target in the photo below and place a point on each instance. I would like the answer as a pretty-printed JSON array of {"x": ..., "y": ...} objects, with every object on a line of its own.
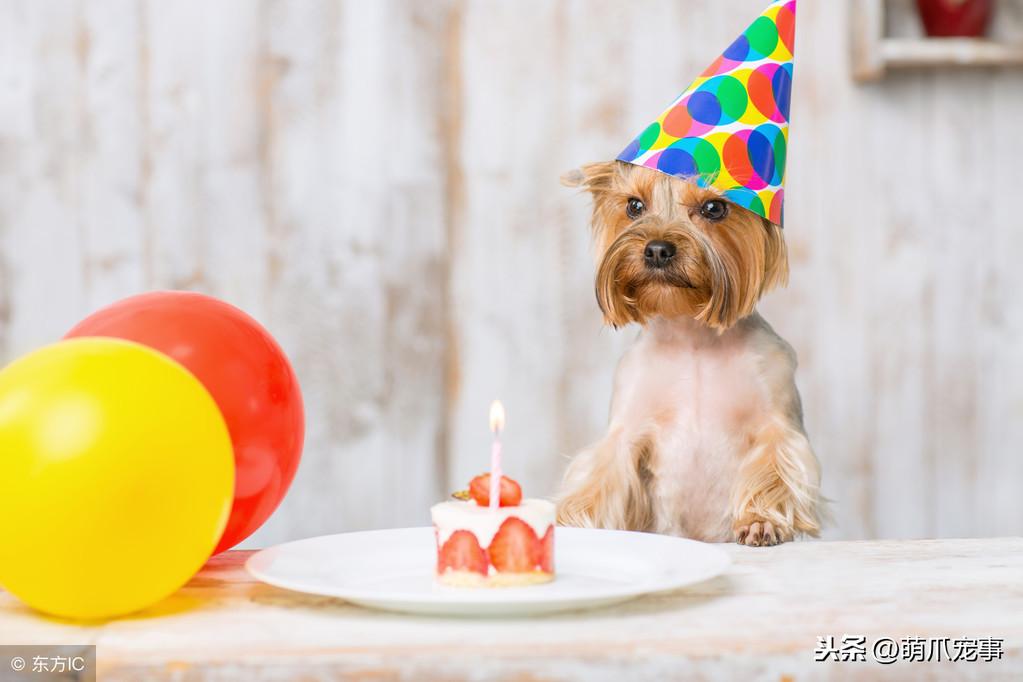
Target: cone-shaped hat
[{"x": 729, "y": 129}]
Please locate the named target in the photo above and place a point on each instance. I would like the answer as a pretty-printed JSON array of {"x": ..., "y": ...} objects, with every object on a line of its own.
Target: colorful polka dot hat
[{"x": 729, "y": 129}]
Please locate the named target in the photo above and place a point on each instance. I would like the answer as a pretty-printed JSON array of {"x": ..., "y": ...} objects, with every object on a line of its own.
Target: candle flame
[{"x": 496, "y": 416}]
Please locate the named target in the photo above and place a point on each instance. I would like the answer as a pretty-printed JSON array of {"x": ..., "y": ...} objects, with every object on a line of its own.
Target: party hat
[{"x": 729, "y": 129}]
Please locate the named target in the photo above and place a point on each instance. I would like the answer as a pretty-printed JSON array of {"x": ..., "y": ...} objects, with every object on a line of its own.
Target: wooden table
[{"x": 761, "y": 620}]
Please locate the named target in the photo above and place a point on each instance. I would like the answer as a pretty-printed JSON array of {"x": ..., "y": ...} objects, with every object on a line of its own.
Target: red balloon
[{"x": 248, "y": 376}]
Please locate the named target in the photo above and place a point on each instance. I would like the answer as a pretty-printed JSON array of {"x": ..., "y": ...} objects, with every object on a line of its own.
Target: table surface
[{"x": 761, "y": 620}]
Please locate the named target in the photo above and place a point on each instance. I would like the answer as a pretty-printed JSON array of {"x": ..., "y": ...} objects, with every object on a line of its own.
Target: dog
[{"x": 706, "y": 436}]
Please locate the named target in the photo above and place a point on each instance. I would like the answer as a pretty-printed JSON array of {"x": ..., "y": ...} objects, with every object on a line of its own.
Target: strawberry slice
[
  {"x": 511, "y": 491},
  {"x": 462, "y": 552},
  {"x": 515, "y": 548},
  {"x": 547, "y": 551}
]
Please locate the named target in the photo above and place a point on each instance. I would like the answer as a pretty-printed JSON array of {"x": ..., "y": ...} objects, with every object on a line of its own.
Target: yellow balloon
[{"x": 116, "y": 477}]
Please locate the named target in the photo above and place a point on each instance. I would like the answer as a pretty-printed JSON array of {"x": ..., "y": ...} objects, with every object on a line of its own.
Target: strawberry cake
[{"x": 510, "y": 545}]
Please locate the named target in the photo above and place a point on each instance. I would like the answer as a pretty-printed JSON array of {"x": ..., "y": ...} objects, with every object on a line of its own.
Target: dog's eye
[
  {"x": 714, "y": 209},
  {"x": 634, "y": 208}
]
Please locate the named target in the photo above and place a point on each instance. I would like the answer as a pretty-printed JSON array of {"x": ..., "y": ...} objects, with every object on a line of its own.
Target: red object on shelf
[{"x": 955, "y": 18}]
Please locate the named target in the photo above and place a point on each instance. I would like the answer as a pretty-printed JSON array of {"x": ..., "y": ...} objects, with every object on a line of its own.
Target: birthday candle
[{"x": 496, "y": 424}]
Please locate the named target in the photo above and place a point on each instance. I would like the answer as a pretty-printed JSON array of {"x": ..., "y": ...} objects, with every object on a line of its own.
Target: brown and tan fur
[{"x": 706, "y": 435}]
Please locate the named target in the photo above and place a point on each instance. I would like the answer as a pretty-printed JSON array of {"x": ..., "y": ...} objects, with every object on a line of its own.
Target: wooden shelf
[
  {"x": 874, "y": 54},
  {"x": 917, "y": 52}
]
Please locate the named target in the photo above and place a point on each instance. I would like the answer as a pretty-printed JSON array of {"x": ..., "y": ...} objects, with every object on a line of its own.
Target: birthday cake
[{"x": 478, "y": 545}]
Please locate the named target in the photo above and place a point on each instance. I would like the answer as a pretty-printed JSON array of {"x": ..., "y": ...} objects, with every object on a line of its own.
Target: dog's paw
[{"x": 761, "y": 534}]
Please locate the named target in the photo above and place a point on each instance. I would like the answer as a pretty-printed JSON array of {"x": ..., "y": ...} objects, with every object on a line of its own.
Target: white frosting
[{"x": 483, "y": 521}]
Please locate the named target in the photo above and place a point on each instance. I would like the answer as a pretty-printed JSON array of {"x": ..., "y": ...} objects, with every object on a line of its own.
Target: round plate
[{"x": 393, "y": 570}]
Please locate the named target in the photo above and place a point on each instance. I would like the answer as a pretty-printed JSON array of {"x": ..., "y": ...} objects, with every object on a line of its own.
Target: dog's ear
[
  {"x": 591, "y": 176},
  {"x": 743, "y": 268},
  {"x": 776, "y": 257}
]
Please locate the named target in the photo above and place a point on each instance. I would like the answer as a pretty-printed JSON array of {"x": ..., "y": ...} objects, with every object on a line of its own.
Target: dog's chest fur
[{"x": 690, "y": 397}]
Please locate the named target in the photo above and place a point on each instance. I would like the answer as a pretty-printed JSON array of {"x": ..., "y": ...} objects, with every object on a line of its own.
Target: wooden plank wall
[{"x": 377, "y": 183}]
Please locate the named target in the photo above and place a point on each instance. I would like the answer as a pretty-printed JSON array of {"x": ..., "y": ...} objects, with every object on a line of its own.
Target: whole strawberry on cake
[{"x": 506, "y": 545}]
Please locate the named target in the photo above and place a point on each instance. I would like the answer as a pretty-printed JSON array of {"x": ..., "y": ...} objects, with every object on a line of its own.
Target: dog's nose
[{"x": 658, "y": 252}]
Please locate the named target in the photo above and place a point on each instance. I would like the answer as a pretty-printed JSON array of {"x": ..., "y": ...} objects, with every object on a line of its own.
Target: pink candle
[{"x": 496, "y": 424}]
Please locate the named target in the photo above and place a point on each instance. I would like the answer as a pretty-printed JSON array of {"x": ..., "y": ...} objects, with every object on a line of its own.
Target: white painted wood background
[{"x": 377, "y": 183}]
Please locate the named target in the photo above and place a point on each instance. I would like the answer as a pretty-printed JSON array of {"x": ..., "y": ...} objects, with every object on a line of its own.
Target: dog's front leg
[
  {"x": 607, "y": 485},
  {"x": 776, "y": 495}
]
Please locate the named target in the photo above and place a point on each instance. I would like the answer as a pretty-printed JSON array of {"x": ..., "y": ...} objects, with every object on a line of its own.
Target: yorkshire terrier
[{"x": 706, "y": 436}]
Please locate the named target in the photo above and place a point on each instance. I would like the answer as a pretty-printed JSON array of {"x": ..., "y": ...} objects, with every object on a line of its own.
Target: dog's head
[{"x": 667, "y": 248}]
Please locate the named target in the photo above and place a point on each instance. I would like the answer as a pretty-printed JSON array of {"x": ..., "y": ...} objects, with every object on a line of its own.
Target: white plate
[{"x": 393, "y": 570}]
